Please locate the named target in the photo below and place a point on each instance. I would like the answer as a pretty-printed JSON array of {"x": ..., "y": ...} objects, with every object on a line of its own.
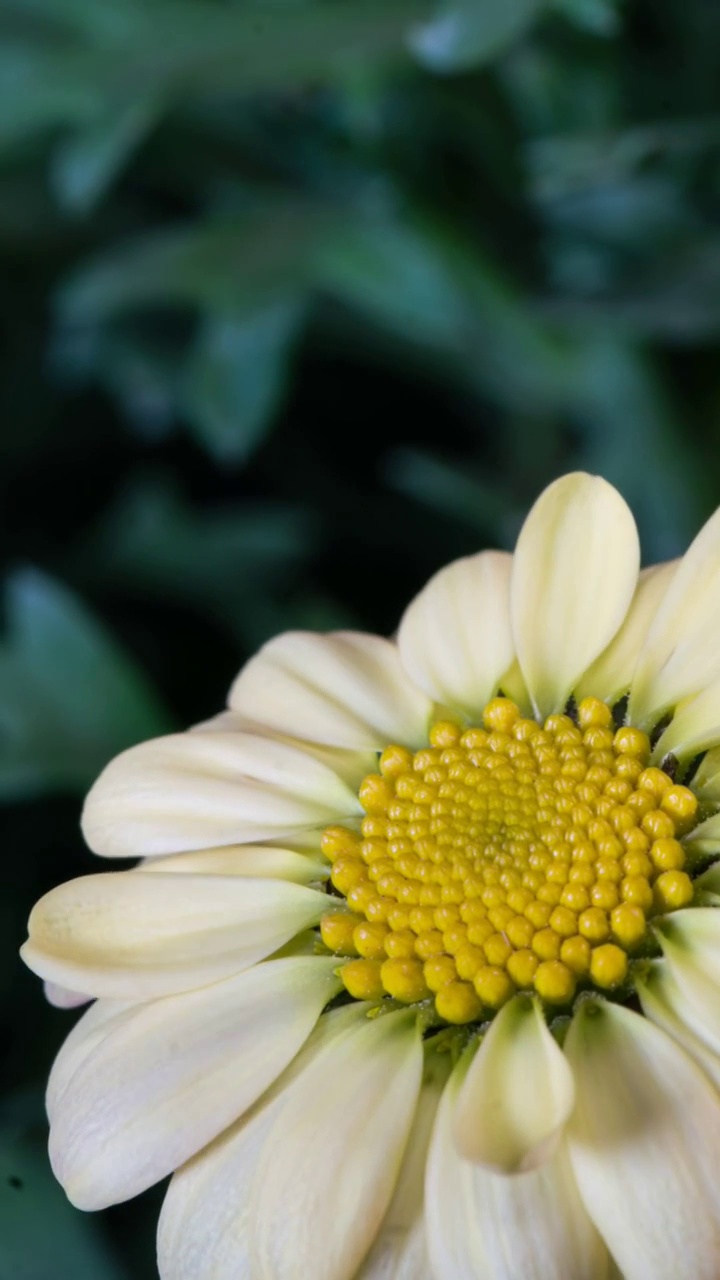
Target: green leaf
[
  {"x": 42, "y": 1237},
  {"x": 237, "y": 376},
  {"x": 87, "y": 163},
  {"x": 468, "y": 33},
  {"x": 69, "y": 697},
  {"x": 231, "y": 565},
  {"x": 233, "y": 264}
]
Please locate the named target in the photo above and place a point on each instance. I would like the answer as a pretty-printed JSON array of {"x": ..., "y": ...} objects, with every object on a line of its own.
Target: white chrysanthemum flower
[{"x": 417, "y": 977}]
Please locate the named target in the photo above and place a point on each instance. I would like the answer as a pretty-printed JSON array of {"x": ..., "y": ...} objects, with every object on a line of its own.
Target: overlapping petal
[
  {"x": 643, "y": 1142},
  {"x": 302, "y": 1186},
  {"x": 681, "y": 655},
  {"x": 663, "y": 1002},
  {"x": 455, "y": 638},
  {"x": 262, "y": 861},
  {"x": 202, "y": 790},
  {"x": 346, "y": 689},
  {"x": 167, "y": 1076},
  {"x": 133, "y": 936},
  {"x": 695, "y": 726},
  {"x": 499, "y": 1121},
  {"x": 611, "y": 674},
  {"x": 400, "y": 1249},
  {"x": 490, "y": 1226},
  {"x": 574, "y": 575}
]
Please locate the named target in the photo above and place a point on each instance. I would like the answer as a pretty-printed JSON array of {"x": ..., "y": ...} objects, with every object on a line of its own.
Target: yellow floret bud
[
  {"x": 575, "y": 954},
  {"x": 564, "y": 922},
  {"x": 429, "y": 944},
  {"x": 362, "y": 980},
  {"x": 458, "y": 1003},
  {"x": 375, "y": 794},
  {"x": 369, "y": 940},
  {"x": 632, "y": 742},
  {"x": 628, "y": 924},
  {"x": 346, "y": 873},
  {"x": 593, "y": 924},
  {"x": 444, "y": 734},
  {"x": 608, "y": 966},
  {"x": 493, "y": 986},
  {"x": 654, "y": 781},
  {"x": 521, "y": 966},
  {"x": 555, "y": 982},
  {"x": 337, "y": 929},
  {"x": 592, "y": 713},
  {"x": 500, "y": 714},
  {"x": 335, "y": 842},
  {"x": 438, "y": 971},
  {"x": 400, "y": 944},
  {"x": 667, "y": 855},
  {"x": 636, "y": 889},
  {"x": 404, "y": 980},
  {"x": 673, "y": 889},
  {"x": 682, "y": 805},
  {"x": 546, "y": 944}
]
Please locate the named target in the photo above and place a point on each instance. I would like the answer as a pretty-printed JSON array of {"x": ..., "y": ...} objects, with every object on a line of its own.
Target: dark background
[{"x": 299, "y": 300}]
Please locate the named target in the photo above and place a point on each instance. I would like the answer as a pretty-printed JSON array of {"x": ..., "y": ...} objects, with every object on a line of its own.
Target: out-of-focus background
[{"x": 300, "y": 299}]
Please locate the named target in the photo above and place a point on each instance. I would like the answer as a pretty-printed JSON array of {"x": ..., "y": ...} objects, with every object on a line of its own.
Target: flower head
[{"x": 417, "y": 975}]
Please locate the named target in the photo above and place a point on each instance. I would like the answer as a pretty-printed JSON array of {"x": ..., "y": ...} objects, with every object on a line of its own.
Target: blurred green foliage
[{"x": 301, "y": 298}]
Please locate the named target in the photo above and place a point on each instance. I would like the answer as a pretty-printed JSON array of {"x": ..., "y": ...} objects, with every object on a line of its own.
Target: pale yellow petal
[
  {"x": 256, "y": 1202},
  {"x": 694, "y": 727},
  {"x": 455, "y": 638},
  {"x": 664, "y": 1002},
  {"x": 690, "y": 941},
  {"x": 705, "y": 837},
  {"x": 265, "y": 862},
  {"x": 643, "y": 1141},
  {"x": 611, "y": 674},
  {"x": 350, "y": 765},
  {"x": 499, "y": 1121},
  {"x": 681, "y": 655},
  {"x": 706, "y": 781},
  {"x": 168, "y": 1076},
  {"x": 574, "y": 574},
  {"x": 374, "y": 1081},
  {"x": 132, "y": 936},
  {"x": 491, "y": 1226},
  {"x": 346, "y": 689},
  {"x": 399, "y": 1251},
  {"x": 203, "y": 790},
  {"x": 62, "y": 997}
]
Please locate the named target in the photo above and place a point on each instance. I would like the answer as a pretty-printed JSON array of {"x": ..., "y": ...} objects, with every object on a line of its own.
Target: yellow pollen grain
[{"x": 508, "y": 856}]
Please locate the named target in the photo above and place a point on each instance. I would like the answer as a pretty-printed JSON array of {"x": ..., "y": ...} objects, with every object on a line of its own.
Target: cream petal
[
  {"x": 88, "y": 1032},
  {"x": 351, "y": 766},
  {"x": 488, "y": 1226},
  {"x": 694, "y": 727},
  {"x": 690, "y": 942},
  {"x": 681, "y": 655},
  {"x": 133, "y": 936},
  {"x": 704, "y": 839},
  {"x": 709, "y": 883},
  {"x": 62, "y": 997},
  {"x": 400, "y": 1250},
  {"x": 499, "y": 1121},
  {"x": 346, "y": 689},
  {"x": 202, "y": 790},
  {"x": 574, "y": 574},
  {"x": 643, "y": 1141},
  {"x": 256, "y": 1202},
  {"x": 706, "y": 781},
  {"x": 663, "y": 1002},
  {"x": 611, "y": 674},
  {"x": 167, "y": 1078},
  {"x": 455, "y": 638},
  {"x": 363, "y": 1103},
  {"x": 255, "y": 860}
]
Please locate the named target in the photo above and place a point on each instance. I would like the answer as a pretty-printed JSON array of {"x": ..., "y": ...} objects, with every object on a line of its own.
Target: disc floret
[{"x": 504, "y": 857}]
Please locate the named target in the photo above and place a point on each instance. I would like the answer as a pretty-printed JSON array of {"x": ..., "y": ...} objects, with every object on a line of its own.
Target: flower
[{"x": 417, "y": 975}]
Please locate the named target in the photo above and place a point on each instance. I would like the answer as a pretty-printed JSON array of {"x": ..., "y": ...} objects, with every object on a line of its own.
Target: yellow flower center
[{"x": 509, "y": 857}]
